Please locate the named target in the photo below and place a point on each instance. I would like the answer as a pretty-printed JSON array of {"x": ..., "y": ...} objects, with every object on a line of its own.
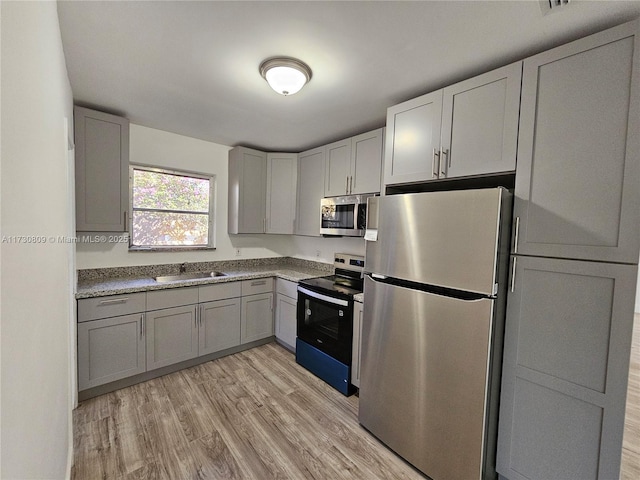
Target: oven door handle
[{"x": 324, "y": 298}]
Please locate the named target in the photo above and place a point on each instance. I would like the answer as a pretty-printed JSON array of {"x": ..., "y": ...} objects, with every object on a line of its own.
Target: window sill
[{"x": 169, "y": 249}]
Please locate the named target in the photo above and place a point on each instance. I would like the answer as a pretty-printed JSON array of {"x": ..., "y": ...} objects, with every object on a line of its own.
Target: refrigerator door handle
[
  {"x": 516, "y": 229},
  {"x": 513, "y": 275}
]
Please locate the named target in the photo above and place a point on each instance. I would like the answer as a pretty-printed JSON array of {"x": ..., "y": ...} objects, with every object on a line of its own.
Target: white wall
[
  {"x": 169, "y": 150},
  {"x": 35, "y": 283}
]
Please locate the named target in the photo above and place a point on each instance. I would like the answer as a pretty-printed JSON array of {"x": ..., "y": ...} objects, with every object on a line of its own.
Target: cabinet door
[
  {"x": 172, "y": 336},
  {"x": 356, "y": 354},
  {"x": 110, "y": 349},
  {"x": 480, "y": 124},
  {"x": 413, "y": 137},
  {"x": 219, "y": 325},
  {"x": 310, "y": 192},
  {"x": 566, "y": 361},
  {"x": 247, "y": 190},
  {"x": 366, "y": 162},
  {"x": 576, "y": 192},
  {"x": 102, "y": 171},
  {"x": 286, "y": 308},
  {"x": 282, "y": 178},
  {"x": 337, "y": 168},
  {"x": 257, "y": 317}
]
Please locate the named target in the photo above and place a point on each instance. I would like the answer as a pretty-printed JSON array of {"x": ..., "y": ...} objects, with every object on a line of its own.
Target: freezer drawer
[
  {"x": 424, "y": 386},
  {"x": 453, "y": 239}
]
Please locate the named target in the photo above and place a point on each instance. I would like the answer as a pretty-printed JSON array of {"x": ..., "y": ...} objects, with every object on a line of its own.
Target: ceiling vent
[{"x": 548, "y": 6}]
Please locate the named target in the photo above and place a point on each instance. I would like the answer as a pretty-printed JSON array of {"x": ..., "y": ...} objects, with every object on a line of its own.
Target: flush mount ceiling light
[{"x": 285, "y": 75}]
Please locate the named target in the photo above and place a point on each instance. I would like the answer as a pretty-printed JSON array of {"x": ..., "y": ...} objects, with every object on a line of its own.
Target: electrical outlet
[{"x": 238, "y": 252}]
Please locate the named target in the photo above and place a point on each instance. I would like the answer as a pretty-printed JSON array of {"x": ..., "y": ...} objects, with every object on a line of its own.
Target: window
[{"x": 171, "y": 209}]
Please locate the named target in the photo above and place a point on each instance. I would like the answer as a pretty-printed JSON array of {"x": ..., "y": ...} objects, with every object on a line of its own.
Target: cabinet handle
[
  {"x": 141, "y": 324},
  {"x": 115, "y": 301},
  {"x": 346, "y": 187},
  {"x": 351, "y": 185},
  {"x": 126, "y": 226},
  {"x": 516, "y": 234},
  {"x": 444, "y": 155},
  {"x": 435, "y": 168},
  {"x": 258, "y": 282},
  {"x": 200, "y": 313},
  {"x": 513, "y": 275}
]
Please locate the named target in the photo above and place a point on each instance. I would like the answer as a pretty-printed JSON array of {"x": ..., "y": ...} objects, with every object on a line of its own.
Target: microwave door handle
[{"x": 324, "y": 298}]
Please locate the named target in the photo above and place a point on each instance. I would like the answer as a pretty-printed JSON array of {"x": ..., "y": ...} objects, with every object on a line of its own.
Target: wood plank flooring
[
  {"x": 252, "y": 415},
  {"x": 631, "y": 443}
]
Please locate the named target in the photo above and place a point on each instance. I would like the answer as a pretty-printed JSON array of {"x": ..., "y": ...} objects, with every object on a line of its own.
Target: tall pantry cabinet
[{"x": 574, "y": 261}]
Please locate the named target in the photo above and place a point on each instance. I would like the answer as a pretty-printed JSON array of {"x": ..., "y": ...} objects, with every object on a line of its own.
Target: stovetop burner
[{"x": 347, "y": 280}]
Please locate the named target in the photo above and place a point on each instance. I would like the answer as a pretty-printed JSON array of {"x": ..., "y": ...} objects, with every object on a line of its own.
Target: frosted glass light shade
[{"x": 285, "y": 75}]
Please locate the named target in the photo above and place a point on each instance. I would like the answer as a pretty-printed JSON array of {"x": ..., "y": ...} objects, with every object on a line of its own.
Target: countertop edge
[{"x": 117, "y": 286}]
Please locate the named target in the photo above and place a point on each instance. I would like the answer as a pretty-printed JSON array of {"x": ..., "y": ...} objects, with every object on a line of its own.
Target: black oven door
[{"x": 326, "y": 322}]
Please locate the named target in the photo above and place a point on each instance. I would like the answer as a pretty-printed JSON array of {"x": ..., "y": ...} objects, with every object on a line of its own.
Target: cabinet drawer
[
  {"x": 259, "y": 285},
  {"x": 110, "y": 306},
  {"x": 210, "y": 293},
  {"x": 286, "y": 287},
  {"x": 173, "y": 297}
]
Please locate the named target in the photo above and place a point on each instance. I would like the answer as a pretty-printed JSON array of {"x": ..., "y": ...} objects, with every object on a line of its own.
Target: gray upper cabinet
[
  {"x": 247, "y": 191},
  {"x": 337, "y": 168},
  {"x": 566, "y": 363},
  {"x": 282, "y": 178},
  {"x": 466, "y": 129},
  {"x": 310, "y": 191},
  {"x": 354, "y": 165},
  {"x": 413, "y": 140},
  {"x": 102, "y": 171},
  {"x": 480, "y": 124},
  {"x": 366, "y": 162},
  {"x": 578, "y": 150}
]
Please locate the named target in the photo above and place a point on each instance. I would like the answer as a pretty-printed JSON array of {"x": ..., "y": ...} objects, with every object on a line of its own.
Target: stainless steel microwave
[{"x": 346, "y": 216}]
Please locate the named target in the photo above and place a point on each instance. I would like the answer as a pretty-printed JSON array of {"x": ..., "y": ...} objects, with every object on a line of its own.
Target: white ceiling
[{"x": 192, "y": 67}]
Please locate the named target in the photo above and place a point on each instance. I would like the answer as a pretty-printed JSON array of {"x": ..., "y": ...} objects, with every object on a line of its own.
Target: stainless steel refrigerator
[{"x": 434, "y": 298}]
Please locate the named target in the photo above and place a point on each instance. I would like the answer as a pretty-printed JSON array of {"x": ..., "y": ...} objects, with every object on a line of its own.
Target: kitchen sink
[{"x": 188, "y": 276}]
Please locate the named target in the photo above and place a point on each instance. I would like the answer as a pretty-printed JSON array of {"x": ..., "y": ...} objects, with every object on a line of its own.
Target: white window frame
[{"x": 182, "y": 173}]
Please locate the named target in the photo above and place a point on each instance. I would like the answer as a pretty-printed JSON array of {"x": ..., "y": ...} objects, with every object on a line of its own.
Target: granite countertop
[
  {"x": 114, "y": 281},
  {"x": 359, "y": 297}
]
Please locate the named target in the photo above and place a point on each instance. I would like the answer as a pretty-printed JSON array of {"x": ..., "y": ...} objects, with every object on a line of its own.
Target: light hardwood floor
[
  {"x": 631, "y": 441},
  {"x": 254, "y": 415}
]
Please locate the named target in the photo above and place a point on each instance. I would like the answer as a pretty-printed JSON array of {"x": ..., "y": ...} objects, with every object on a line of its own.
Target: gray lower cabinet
[
  {"x": 286, "y": 312},
  {"x": 172, "y": 336},
  {"x": 110, "y": 349},
  {"x": 356, "y": 354},
  {"x": 219, "y": 325},
  {"x": 256, "y": 317},
  {"x": 566, "y": 359},
  {"x": 578, "y": 170},
  {"x": 179, "y": 324}
]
